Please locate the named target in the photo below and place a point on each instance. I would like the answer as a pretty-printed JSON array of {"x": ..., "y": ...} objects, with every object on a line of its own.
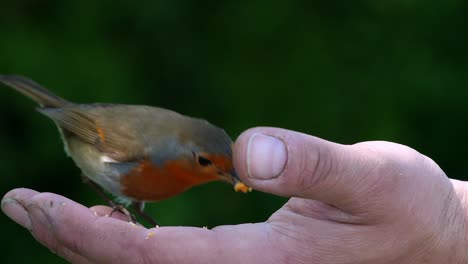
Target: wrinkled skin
[{"x": 371, "y": 202}]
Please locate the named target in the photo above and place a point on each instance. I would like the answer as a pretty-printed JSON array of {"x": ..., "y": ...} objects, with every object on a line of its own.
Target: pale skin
[{"x": 371, "y": 202}]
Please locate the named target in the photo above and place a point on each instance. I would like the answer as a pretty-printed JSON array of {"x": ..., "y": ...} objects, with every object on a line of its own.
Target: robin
[{"x": 137, "y": 153}]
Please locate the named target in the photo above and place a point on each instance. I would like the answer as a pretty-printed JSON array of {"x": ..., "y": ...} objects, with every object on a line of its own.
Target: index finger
[{"x": 108, "y": 240}]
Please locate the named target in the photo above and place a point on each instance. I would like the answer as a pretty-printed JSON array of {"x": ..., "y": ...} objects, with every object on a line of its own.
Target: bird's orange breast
[{"x": 148, "y": 182}]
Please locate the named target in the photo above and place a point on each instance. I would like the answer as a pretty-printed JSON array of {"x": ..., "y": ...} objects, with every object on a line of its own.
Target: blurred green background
[{"x": 346, "y": 71}]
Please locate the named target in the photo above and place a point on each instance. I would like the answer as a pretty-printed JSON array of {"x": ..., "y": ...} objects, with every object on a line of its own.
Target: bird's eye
[{"x": 204, "y": 161}]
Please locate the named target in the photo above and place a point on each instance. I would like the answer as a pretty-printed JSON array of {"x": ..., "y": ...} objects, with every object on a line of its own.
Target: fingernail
[
  {"x": 266, "y": 156},
  {"x": 13, "y": 209}
]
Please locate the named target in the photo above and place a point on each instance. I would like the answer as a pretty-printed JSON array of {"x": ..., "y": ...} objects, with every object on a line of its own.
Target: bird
[{"x": 137, "y": 153}]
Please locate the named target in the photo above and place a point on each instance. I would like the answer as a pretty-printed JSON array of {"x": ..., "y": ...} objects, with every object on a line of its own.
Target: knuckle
[
  {"x": 315, "y": 168},
  {"x": 387, "y": 158}
]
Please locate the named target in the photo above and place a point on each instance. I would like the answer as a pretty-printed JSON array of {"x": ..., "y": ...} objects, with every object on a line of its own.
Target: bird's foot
[{"x": 120, "y": 208}]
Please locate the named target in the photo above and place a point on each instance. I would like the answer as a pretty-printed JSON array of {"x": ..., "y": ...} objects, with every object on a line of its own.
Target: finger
[
  {"x": 13, "y": 210},
  {"x": 106, "y": 211},
  {"x": 69, "y": 255},
  {"x": 108, "y": 240},
  {"x": 11, "y": 205},
  {"x": 51, "y": 219},
  {"x": 293, "y": 164}
]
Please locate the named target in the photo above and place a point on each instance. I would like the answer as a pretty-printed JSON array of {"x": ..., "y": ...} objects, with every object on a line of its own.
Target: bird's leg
[
  {"x": 97, "y": 189},
  {"x": 139, "y": 209},
  {"x": 115, "y": 207},
  {"x": 118, "y": 207}
]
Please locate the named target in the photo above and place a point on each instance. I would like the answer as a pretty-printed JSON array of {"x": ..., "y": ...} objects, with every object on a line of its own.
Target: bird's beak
[{"x": 239, "y": 186}]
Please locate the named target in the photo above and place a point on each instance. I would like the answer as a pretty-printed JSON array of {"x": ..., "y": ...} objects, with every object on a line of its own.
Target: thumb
[{"x": 293, "y": 164}]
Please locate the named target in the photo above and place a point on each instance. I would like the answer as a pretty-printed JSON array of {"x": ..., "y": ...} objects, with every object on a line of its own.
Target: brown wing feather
[{"x": 86, "y": 126}]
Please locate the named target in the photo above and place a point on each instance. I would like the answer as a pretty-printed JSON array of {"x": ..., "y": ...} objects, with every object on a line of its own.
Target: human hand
[{"x": 372, "y": 202}]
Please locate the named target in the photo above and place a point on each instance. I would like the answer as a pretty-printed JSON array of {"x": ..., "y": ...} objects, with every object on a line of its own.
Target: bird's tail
[{"x": 31, "y": 89}]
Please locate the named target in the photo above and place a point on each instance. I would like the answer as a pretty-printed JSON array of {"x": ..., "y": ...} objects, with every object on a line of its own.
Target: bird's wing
[{"x": 89, "y": 126}]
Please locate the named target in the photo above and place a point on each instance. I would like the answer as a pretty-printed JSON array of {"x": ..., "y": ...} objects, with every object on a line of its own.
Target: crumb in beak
[{"x": 241, "y": 187}]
